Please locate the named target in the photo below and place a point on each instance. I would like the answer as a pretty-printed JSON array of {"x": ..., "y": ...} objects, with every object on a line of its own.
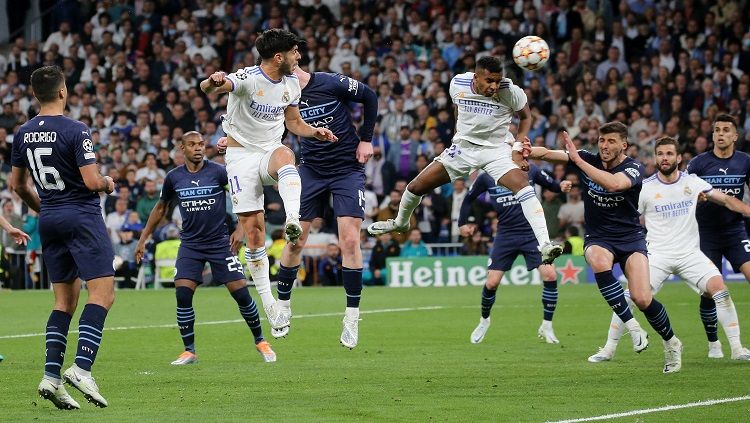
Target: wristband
[{"x": 518, "y": 146}]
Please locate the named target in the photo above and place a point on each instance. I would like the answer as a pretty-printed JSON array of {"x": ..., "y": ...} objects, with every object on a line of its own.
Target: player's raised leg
[
  {"x": 352, "y": 275},
  {"x": 549, "y": 303},
  {"x": 56, "y": 334},
  {"x": 184, "y": 292},
  {"x": 281, "y": 167},
  {"x": 249, "y": 312},
  {"x": 517, "y": 181},
  {"x": 433, "y": 176},
  {"x": 488, "y": 300},
  {"x": 637, "y": 272},
  {"x": 91, "y": 327}
]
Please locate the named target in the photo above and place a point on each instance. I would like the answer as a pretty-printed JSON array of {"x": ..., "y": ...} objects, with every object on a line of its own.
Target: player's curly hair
[
  {"x": 275, "y": 41},
  {"x": 491, "y": 64}
]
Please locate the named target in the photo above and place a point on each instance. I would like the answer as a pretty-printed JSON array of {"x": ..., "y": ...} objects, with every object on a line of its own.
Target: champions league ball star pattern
[{"x": 531, "y": 53}]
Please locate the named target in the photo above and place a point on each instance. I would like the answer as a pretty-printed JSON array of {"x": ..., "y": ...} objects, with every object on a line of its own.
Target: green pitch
[{"x": 414, "y": 361}]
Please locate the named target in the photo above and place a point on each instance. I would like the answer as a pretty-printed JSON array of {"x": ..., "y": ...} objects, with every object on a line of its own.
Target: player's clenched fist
[
  {"x": 217, "y": 79},
  {"x": 324, "y": 134}
]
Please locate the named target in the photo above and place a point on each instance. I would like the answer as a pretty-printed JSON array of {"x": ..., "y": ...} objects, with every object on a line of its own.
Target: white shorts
[
  {"x": 695, "y": 268},
  {"x": 248, "y": 172},
  {"x": 463, "y": 157}
]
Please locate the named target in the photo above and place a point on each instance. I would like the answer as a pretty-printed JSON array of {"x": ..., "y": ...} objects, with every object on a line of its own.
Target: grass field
[{"x": 414, "y": 361}]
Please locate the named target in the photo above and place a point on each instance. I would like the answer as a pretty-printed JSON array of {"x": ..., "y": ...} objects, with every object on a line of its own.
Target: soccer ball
[{"x": 531, "y": 53}]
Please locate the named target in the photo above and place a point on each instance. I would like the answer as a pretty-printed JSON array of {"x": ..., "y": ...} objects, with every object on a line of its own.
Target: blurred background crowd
[{"x": 133, "y": 68}]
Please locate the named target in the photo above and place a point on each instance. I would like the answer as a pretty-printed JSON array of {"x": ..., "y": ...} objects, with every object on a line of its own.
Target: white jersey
[
  {"x": 485, "y": 120},
  {"x": 255, "y": 110},
  {"x": 669, "y": 210}
]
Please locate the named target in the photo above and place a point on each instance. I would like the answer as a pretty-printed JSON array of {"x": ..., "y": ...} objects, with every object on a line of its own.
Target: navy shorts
[
  {"x": 75, "y": 245},
  {"x": 505, "y": 249},
  {"x": 619, "y": 248},
  {"x": 734, "y": 246},
  {"x": 225, "y": 266},
  {"x": 348, "y": 190}
]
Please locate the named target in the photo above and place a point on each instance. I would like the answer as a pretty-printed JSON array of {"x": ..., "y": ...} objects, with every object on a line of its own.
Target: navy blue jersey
[
  {"x": 612, "y": 215},
  {"x": 53, "y": 148},
  {"x": 728, "y": 175},
  {"x": 324, "y": 104},
  {"x": 509, "y": 212},
  {"x": 202, "y": 203}
]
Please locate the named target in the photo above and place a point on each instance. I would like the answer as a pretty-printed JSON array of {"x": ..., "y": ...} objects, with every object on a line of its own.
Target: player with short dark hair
[
  {"x": 485, "y": 103},
  {"x": 667, "y": 205},
  {"x": 262, "y": 100},
  {"x": 198, "y": 187},
  {"x": 722, "y": 231},
  {"x": 333, "y": 170},
  {"x": 513, "y": 238},
  {"x": 59, "y": 155},
  {"x": 614, "y": 233}
]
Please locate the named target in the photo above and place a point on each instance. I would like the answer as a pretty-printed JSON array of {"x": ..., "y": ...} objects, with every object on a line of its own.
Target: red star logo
[{"x": 569, "y": 273}]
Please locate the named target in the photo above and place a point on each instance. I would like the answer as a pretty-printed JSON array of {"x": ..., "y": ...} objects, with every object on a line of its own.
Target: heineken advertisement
[{"x": 472, "y": 271}]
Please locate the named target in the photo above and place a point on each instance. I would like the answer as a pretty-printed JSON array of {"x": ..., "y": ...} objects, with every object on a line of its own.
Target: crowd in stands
[{"x": 665, "y": 67}]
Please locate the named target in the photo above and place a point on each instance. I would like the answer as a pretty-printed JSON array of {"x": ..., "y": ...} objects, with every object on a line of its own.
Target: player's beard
[
  {"x": 668, "y": 171},
  {"x": 286, "y": 68}
]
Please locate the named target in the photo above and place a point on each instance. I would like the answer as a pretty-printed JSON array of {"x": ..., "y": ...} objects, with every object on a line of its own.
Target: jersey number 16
[{"x": 40, "y": 172}]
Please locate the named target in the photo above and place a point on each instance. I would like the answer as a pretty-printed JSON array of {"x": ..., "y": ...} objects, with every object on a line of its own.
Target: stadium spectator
[{"x": 414, "y": 246}]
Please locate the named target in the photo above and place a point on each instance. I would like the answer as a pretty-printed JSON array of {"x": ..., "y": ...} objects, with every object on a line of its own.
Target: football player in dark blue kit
[
  {"x": 198, "y": 187},
  {"x": 514, "y": 236},
  {"x": 722, "y": 231},
  {"x": 58, "y": 154},
  {"x": 333, "y": 169},
  {"x": 614, "y": 233}
]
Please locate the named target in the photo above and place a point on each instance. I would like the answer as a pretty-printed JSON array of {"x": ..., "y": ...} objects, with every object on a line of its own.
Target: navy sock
[
  {"x": 549, "y": 299},
  {"x": 613, "y": 293},
  {"x": 659, "y": 320},
  {"x": 488, "y": 299},
  {"x": 352, "y": 286},
  {"x": 186, "y": 316},
  {"x": 287, "y": 275},
  {"x": 249, "y": 312},
  {"x": 90, "y": 328},
  {"x": 709, "y": 318},
  {"x": 56, "y": 342}
]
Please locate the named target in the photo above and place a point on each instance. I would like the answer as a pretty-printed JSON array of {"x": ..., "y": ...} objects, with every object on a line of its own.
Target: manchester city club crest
[
  {"x": 285, "y": 97},
  {"x": 688, "y": 191}
]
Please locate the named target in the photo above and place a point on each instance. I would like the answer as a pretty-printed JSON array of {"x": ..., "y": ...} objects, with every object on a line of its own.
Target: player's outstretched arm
[
  {"x": 611, "y": 182},
  {"x": 157, "y": 213},
  {"x": 217, "y": 83},
  {"x": 18, "y": 235},
  {"x": 297, "y": 126},
  {"x": 19, "y": 183},
  {"x": 732, "y": 203}
]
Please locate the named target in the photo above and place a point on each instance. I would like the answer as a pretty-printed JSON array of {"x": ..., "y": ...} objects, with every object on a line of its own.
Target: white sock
[
  {"x": 284, "y": 303},
  {"x": 352, "y": 312},
  {"x": 257, "y": 261},
  {"x": 290, "y": 189},
  {"x": 616, "y": 329},
  {"x": 727, "y": 315},
  {"x": 82, "y": 372},
  {"x": 409, "y": 202},
  {"x": 532, "y": 210}
]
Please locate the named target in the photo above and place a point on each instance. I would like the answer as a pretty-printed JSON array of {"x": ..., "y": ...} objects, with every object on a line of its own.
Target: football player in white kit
[
  {"x": 485, "y": 103},
  {"x": 261, "y": 100},
  {"x": 667, "y": 203}
]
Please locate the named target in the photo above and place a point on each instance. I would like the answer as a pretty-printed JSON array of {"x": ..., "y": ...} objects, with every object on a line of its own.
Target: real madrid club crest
[
  {"x": 687, "y": 191},
  {"x": 285, "y": 97}
]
